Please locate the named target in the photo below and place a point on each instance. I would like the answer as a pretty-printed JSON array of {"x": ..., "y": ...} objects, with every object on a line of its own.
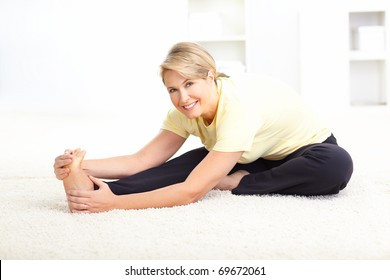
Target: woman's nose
[{"x": 184, "y": 97}]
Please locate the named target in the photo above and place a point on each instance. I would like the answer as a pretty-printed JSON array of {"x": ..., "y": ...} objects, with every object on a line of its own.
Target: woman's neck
[{"x": 209, "y": 115}]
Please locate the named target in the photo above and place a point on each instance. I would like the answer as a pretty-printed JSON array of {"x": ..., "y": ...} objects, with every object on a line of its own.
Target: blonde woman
[{"x": 258, "y": 137}]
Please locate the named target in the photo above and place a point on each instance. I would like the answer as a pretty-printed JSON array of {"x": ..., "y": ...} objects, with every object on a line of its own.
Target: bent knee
[
  {"x": 336, "y": 165},
  {"x": 343, "y": 163}
]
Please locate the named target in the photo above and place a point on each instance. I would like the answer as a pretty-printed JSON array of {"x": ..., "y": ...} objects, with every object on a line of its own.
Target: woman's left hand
[{"x": 100, "y": 200}]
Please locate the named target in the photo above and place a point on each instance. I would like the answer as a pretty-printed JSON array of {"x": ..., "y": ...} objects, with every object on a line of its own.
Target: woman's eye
[
  {"x": 189, "y": 84},
  {"x": 172, "y": 90}
]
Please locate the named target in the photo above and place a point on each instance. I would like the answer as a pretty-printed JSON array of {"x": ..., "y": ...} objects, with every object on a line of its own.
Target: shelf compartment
[
  {"x": 367, "y": 55},
  {"x": 367, "y": 31}
]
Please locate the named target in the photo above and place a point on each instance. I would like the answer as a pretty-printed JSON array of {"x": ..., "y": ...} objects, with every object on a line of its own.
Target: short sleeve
[{"x": 174, "y": 122}]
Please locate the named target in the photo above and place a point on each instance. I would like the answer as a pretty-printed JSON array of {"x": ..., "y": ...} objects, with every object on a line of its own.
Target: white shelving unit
[
  {"x": 220, "y": 26},
  {"x": 345, "y": 61},
  {"x": 369, "y": 54}
]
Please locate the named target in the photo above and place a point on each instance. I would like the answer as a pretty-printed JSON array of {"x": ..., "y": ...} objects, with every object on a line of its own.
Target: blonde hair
[{"x": 190, "y": 60}]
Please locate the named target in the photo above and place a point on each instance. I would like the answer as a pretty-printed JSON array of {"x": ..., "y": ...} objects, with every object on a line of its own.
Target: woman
[{"x": 258, "y": 138}]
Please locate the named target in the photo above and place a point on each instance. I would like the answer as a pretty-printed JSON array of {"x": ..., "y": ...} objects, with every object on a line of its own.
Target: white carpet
[{"x": 35, "y": 222}]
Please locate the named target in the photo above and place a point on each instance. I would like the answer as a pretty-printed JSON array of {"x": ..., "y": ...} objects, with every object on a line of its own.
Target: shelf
[
  {"x": 367, "y": 55},
  {"x": 217, "y": 18},
  {"x": 220, "y": 26},
  {"x": 367, "y": 31}
]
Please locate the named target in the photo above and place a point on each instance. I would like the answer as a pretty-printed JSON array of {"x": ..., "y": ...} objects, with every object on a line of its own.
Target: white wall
[
  {"x": 105, "y": 53},
  {"x": 304, "y": 43},
  {"x": 324, "y": 54},
  {"x": 86, "y": 53},
  {"x": 274, "y": 37}
]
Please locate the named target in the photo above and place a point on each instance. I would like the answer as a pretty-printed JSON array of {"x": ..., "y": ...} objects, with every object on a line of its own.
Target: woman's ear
[{"x": 210, "y": 75}]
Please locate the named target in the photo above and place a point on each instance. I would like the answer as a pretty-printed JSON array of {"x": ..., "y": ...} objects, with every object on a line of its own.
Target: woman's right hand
[{"x": 60, "y": 164}]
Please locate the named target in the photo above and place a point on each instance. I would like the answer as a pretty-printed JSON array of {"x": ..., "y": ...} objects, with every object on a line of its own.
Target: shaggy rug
[{"x": 35, "y": 222}]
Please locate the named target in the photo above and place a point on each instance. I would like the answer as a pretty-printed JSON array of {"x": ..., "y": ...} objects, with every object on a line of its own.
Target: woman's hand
[
  {"x": 100, "y": 200},
  {"x": 60, "y": 164}
]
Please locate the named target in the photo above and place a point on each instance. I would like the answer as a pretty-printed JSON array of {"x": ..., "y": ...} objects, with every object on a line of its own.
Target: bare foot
[
  {"x": 231, "y": 181},
  {"x": 77, "y": 179}
]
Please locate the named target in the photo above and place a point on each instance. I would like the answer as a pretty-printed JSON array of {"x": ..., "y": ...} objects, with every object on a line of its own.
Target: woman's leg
[
  {"x": 318, "y": 169},
  {"x": 171, "y": 172}
]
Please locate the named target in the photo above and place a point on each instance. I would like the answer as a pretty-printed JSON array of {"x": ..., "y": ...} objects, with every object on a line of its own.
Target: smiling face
[{"x": 192, "y": 97}]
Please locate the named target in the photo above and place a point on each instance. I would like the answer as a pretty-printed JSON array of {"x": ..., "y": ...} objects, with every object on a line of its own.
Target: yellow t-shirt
[{"x": 256, "y": 114}]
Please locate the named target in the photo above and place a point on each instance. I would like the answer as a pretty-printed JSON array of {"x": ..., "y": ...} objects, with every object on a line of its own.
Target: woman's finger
[
  {"x": 68, "y": 152},
  {"x": 98, "y": 182},
  {"x": 77, "y": 207},
  {"x": 62, "y": 163},
  {"x": 62, "y": 160},
  {"x": 62, "y": 173}
]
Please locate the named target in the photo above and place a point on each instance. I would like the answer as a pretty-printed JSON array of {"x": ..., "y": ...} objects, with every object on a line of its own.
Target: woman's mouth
[{"x": 190, "y": 106}]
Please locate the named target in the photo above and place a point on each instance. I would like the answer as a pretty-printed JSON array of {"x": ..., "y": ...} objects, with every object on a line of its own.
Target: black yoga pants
[{"x": 317, "y": 169}]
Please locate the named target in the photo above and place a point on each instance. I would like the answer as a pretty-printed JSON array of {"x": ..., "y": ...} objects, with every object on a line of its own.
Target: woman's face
[{"x": 192, "y": 97}]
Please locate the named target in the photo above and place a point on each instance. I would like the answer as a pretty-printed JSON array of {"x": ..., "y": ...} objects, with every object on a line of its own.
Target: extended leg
[{"x": 171, "y": 172}]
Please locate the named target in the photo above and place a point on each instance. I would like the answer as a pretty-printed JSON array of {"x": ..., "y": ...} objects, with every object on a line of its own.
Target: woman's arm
[
  {"x": 214, "y": 167},
  {"x": 156, "y": 152}
]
